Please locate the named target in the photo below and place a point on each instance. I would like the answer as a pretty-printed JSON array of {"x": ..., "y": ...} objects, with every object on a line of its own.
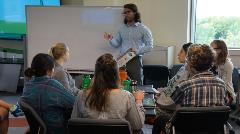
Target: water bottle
[
  {"x": 127, "y": 85},
  {"x": 134, "y": 85},
  {"x": 86, "y": 82},
  {"x": 123, "y": 74}
]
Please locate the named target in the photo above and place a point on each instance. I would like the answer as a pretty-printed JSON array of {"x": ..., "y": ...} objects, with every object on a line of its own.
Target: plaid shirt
[{"x": 202, "y": 90}]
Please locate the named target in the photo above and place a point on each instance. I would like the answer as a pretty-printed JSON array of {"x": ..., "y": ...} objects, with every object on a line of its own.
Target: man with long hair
[{"x": 135, "y": 36}]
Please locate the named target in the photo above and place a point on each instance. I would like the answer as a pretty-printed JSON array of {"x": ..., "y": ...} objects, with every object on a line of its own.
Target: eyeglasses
[
  {"x": 126, "y": 12},
  {"x": 217, "y": 48}
]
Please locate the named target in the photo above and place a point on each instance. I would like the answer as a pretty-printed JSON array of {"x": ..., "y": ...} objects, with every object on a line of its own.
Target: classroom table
[{"x": 149, "y": 101}]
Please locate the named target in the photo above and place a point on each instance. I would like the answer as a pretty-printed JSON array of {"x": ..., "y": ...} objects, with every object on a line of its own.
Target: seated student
[
  {"x": 4, "y": 109},
  {"x": 224, "y": 66},
  {"x": 181, "y": 75},
  {"x": 202, "y": 89},
  {"x": 4, "y": 122},
  {"x": 60, "y": 53},
  {"x": 105, "y": 100},
  {"x": 47, "y": 96}
]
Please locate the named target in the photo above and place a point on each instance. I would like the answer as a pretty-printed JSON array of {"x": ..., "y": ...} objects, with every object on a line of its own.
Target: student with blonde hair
[{"x": 60, "y": 53}]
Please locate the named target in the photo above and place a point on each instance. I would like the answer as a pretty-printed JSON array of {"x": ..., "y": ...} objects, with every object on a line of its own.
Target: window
[{"x": 216, "y": 19}]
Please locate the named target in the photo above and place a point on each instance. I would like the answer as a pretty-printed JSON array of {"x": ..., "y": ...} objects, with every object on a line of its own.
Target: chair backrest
[
  {"x": 156, "y": 75},
  {"x": 37, "y": 126},
  {"x": 235, "y": 79},
  {"x": 96, "y": 126},
  {"x": 201, "y": 119},
  {"x": 174, "y": 70}
]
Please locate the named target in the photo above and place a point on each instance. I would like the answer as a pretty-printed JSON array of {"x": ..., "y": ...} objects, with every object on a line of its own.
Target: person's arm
[
  {"x": 62, "y": 77},
  {"x": 227, "y": 78},
  {"x": 181, "y": 75},
  {"x": 64, "y": 98},
  {"x": 147, "y": 40},
  {"x": 77, "y": 106},
  {"x": 5, "y": 105},
  {"x": 136, "y": 113},
  {"x": 116, "y": 40},
  {"x": 67, "y": 99},
  {"x": 170, "y": 102},
  {"x": 3, "y": 113}
]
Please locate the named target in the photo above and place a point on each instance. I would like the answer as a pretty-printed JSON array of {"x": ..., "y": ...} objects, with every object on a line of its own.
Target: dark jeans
[{"x": 134, "y": 69}]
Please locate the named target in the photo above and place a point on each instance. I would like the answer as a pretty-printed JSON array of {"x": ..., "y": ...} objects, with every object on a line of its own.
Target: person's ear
[{"x": 50, "y": 72}]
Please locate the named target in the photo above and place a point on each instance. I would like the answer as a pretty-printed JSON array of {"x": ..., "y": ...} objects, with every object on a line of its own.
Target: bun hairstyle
[
  {"x": 41, "y": 63},
  {"x": 58, "y": 50},
  {"x": 106, "y": 77},
  {"x": 200, "y": 57},
  {"x": 133, "y": 7}
]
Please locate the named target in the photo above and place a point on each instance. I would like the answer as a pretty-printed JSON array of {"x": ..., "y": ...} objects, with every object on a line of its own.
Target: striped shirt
[
  {"x": 202, "y": 90},
  {"x": 137, "y": 36}
]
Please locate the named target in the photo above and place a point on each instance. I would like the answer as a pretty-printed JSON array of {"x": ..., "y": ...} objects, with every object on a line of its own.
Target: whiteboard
[{"x": 81, "y": 28}]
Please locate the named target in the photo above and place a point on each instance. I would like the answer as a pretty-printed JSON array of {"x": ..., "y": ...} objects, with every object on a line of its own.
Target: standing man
[{"x": 135, "y": 36}]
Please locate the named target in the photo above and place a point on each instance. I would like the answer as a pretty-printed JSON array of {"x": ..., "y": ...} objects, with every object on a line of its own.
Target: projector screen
[{"x": 13, "y": 18}]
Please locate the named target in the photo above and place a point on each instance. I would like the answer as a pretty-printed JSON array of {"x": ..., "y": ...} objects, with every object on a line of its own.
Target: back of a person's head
[
  {"x": 106, "y": 77},
  {"x": 41, "y": 64},
  {"x": 58, "y": 50},
  {"x": 186, "y": 46},
  {"x": 200, "y": 57},
  {"x": 223, "y": 55}
]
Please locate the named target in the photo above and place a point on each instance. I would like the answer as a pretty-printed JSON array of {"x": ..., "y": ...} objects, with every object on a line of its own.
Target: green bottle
[
  {"x": 127, "y": 85},
  {"x": 86, "y": 82}
]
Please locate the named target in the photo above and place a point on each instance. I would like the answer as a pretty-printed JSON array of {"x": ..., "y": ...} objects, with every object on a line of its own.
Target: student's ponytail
[
  {"x": 58, "y": 50},
  {"x": 29, "y": 72},
  {"x": 41, "y": 63},
  {"x": 50, "y": 52}
]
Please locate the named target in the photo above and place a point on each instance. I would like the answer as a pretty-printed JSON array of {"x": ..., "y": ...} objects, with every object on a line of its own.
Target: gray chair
[
  {"x": 96, "y": 126},
  {"x": 36, "y": 124},
  {"x": 235, "y": 79},
  {"x": 194, "y": 120}
]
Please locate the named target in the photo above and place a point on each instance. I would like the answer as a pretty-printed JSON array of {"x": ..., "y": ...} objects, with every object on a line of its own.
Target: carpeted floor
[{"x": 18, "y": 122}]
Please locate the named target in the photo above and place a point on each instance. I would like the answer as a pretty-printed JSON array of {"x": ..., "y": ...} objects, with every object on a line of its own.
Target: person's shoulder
[
  {"x": 59, "y": 73},
  {"x": 128, "y": 94},
  {"x": 80, "y": 94},
  {"x": 55, "y": 84},
  {"x": 144, "y": 27},
  {"x": 125, "y": 94},
  {"x": 185, "y": 83},
  {"x": 218, "y": 80},
  {"x": 228, "y": 63},
  {"x": 122, "y": 26},
  {"x": 58, "y": 69}
]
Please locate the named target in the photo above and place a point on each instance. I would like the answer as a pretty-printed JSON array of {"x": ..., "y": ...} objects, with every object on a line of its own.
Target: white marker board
[{"x": 81, "y": 28}]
